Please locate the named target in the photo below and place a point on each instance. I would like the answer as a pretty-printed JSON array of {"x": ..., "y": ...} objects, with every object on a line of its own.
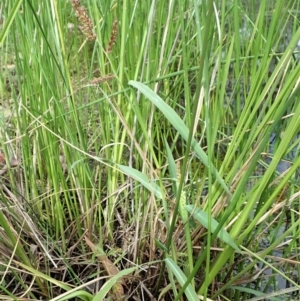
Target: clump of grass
[{"x": 101, "y": 202}]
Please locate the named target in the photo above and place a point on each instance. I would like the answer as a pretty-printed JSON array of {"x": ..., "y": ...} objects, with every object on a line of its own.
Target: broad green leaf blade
[
  {"x": 178, "y": 124},
  {"x": 180, "y": 276},
  {"x": 109, "y": 284},
  {"x": 202, "y": 217},
  {"x": 140, "y": 177}
]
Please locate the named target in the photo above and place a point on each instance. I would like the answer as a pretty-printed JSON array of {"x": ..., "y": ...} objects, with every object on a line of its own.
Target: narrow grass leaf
[
  {"x": 260, "y": 295},
  {"x": 143, "y": 179},
  {"x": 180, "y": 276},
  {"x": 83, "y": 295},
  {"x": 172, "y": 165},
  {"x": 164, "y": 291},
  {"x": 202, "y": 217},
  {"x": 38, "y": 274},
  {"x": 109, "y": 284},
  {"x": 179, "y": 125},
  {"x": 9, "y": 21},
  {"x": 160, "y": 245},
  {"x": 110, "y": 268}
]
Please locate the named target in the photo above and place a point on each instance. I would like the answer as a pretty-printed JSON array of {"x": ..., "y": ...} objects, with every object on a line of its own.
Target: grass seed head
[
  {"x": 86, "y": 24},
  {"x": 113, "y": 37}
]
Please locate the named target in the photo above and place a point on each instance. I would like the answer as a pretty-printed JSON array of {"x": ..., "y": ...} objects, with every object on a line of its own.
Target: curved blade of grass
[
  {"x": 8, "y": 23},
  {"x": 202, "y": 217},
  {"x": 49, "y": 279},
  {"x": 112, "y": 281},
  {"x": 83, "y": 295},
  {"x": 175, "y": 173},
  {"x": 178, "y": 124},
  {"x": 180, "y": 276},
  {"x": 111, "y": 269},
  {"x": 140, "y": 177},
  {"x": 160, "y": 245},
  {"x": 260, "y": 295}
]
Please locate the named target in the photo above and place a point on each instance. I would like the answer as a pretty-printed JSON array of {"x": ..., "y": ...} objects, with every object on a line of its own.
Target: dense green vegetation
[{"x": 140, "y": 150}]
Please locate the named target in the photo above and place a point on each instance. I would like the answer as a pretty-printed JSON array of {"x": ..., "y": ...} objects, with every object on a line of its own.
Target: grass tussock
[{"x": 149, "y": 150}]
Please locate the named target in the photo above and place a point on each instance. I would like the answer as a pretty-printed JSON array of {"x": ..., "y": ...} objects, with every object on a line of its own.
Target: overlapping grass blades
[{"x": 210, "y": 85}]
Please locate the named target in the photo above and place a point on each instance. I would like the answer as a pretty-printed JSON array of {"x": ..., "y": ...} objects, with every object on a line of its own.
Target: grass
[{"x": 140, "y": 145}]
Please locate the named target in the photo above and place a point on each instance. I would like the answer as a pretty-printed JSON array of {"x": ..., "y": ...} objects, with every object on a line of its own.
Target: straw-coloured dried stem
[{"x": 86, "y": 25}]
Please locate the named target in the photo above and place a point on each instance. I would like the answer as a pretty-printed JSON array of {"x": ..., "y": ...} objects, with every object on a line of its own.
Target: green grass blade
[
  {"x": 140, "y": 177},
  {"x": 178, "y": 124},
  {"x": 83, "y": 295},
  {"x": 202, "y": 217},
  {"x": 109, "y": 284},
  {"x": 259, "y": 295},
  {"x": 9, "y": 21},
  {"x": 180, "y": 276}
]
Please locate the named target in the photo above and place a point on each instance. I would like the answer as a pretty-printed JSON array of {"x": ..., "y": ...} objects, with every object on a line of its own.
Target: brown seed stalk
[
  {"x": 113, "y": 37},
  {"x": 98, "y": 80},
  {"x": 86, "y": 24}
]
